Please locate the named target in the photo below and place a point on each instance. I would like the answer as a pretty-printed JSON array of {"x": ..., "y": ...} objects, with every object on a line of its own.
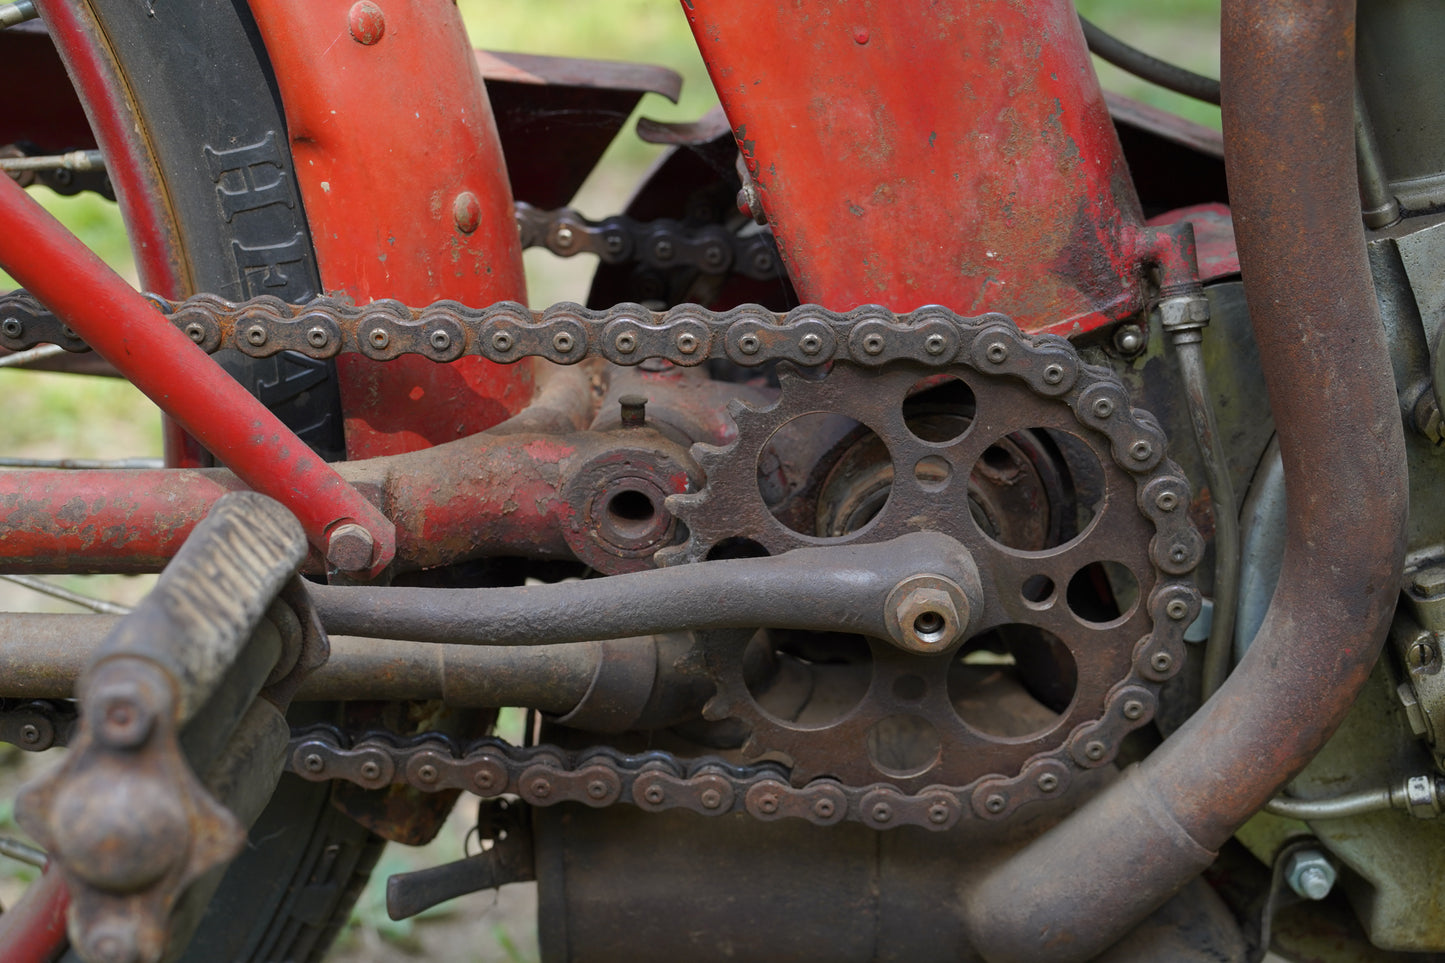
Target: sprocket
[{"x": 1077, "y": 522}]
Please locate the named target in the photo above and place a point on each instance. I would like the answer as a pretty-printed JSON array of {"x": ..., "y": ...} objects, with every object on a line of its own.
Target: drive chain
[
  {"x": 598, "y": 777},
  {"x": 932, "y": 338}
]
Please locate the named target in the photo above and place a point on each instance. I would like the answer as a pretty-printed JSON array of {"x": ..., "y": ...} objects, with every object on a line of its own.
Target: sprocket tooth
[
  {"x": 681, "y": 503},
  {"x": 711, "y": 458},
  {"x": 718, "y": 708},
  {"x": 684, "y": 554},
  {"x": 737, "y": 408},
  {"x": 788, "y": 376},
  {"x": 751, "y": 748}
]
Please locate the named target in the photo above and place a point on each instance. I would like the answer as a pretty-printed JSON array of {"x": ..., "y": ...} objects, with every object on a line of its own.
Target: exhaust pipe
[{"x": 1288, "y": 75}]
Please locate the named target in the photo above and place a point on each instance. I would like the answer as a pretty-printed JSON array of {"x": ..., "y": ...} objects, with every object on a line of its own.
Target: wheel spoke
[{"x": 66, "y": 595}]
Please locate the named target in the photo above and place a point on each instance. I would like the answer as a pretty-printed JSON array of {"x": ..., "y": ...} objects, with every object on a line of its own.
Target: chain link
[
  {"x": 598, "y": 777},
  {"x": 663, "y": 244}
]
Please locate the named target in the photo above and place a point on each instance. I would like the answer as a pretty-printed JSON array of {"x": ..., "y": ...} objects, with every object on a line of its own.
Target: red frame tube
[
  {"x": 413, "y": 203},
  {"x": 177, "y": 375},
  {"x": 33, "y": 930},
  {"x": 905, "y": 156}
]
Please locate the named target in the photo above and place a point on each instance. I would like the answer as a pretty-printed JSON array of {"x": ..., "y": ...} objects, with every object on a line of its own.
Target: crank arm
[{"x": 920, "y": 590}]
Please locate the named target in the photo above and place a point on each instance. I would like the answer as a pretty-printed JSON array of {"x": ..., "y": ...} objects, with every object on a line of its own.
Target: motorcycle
[{"x": 894, "y": 555}]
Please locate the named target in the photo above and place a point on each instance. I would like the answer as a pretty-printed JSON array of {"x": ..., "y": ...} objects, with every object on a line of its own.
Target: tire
[{"x": 208, "y": 104}]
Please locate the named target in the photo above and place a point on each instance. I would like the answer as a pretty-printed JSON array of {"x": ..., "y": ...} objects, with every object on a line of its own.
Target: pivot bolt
[
  {"x": 1310, "y": 874},
  {"x": 124, "y": 716},
  {"x": 350, "y": 548}
]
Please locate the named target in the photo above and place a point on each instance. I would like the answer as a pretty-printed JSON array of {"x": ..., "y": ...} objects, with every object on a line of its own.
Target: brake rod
[{"x": 188, "y": 385}]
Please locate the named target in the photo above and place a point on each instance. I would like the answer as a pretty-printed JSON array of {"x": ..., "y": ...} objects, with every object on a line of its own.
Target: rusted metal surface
[
  {"x": 808, "y": 892},
  {"x": 429, "y": 217},
  {"x": 1288, "y": 83},
  {"x": 939, "y": 151}
]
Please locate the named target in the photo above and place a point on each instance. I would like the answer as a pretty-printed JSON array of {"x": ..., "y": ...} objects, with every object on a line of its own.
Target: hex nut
[
  {"x": 350, "y": 547},
  {"x": 927, "y": 617}
]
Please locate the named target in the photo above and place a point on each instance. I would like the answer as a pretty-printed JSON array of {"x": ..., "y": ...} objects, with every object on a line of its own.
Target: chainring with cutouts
[{"x": 1061, "y": 491}]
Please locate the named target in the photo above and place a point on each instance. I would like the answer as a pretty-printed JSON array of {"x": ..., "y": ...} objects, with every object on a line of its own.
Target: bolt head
[
  {"x": 467, "y": 212},
  {"x": 1423, "y": 655},
  {"x": 366, "y": 23},
  {"x": 124, "y": 719},
  {"x": 350, "y": 548},
  {"x": 1429, "y": 582},
  {"x": 113, "y": 941},
  {"x": 1129, "y": 339},
  {"x": 1310, "y": 874}
]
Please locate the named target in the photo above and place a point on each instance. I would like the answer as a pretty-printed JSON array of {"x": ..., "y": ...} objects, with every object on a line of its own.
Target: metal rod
[
  {"x": 44, "y": 653},
  {"x": 66, "y": 595},
  {"x": 181, "y": 378},
  {"x": 1218, "y": 649},
  {"x": 76, "y": 160},
  {"x": 1159, "y": 72},
  {"x": 23, "y": 852},
  {"x": 1377, "y": 202},
  {"x": 17, "y": 13},
  {"x": 842, "y": 588},
  {"x": 84, "y": 464},
  {"x": 34, "y": 928},
  {"x": 1336, "y": 807},
  {"x": 38, "y": 353}
]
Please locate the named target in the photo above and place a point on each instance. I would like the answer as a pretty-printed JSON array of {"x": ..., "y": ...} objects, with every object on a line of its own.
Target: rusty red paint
[
  {"x": 178, "y": 376},
  {"x": 1213, "y": 236},
  {"x": 382, "y": 195},
  {"x": 961, "y": 157}
]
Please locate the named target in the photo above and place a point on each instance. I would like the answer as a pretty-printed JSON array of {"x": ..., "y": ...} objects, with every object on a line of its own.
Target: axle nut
[
  {"x": 928, "y": 613},
  {"x": 350, "y": 547}
]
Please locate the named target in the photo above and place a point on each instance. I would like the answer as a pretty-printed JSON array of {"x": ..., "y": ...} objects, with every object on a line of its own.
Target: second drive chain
[
  {"x": 662, "y": 244},
  {"x": 597, "y": 777}
]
